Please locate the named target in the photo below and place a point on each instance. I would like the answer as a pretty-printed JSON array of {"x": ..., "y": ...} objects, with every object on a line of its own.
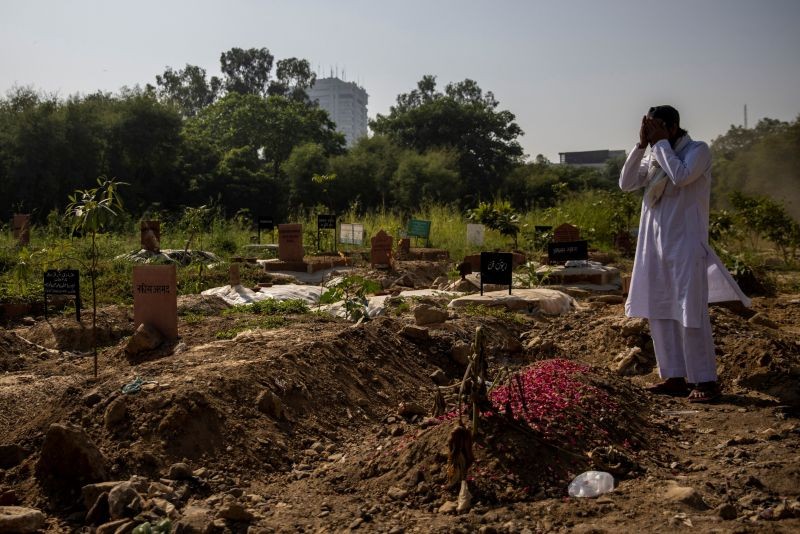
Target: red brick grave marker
[
  {"x": 155, "y": 298},
  {"x": 290, "y": 242},
  {"x": 381, "y": 252}
]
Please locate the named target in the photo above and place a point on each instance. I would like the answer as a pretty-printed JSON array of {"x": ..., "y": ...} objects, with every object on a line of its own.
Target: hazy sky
[{"x": 578, "y": 75}]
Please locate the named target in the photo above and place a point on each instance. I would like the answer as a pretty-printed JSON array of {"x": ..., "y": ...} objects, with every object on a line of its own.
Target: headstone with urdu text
[
  {"x": 63, "y": 282},
  {"x": 290, "y": 242},
  {"x": 155, "y": 298},
  {"x": 496, "y": 268}
]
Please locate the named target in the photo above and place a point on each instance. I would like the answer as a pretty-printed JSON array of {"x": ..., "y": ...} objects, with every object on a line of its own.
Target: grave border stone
[
  {"x": 56, "y": 287},
  {"x": 491, "y": 274}
]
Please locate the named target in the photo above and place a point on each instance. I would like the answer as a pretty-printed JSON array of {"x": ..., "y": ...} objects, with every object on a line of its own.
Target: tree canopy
[{"x": 463, "y": 119}]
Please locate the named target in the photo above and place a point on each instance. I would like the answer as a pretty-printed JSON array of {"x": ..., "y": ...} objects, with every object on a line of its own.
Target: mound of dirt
[
  {"x": 311, "y": 423},
  {"x": 65, "y": 333},
  {"x": 548, "y": 423},
  {"x": 201, "y": 305},
  {"x": 14, "y": 352}
]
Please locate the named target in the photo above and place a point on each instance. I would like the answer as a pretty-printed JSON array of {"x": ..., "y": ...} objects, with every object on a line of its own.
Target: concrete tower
[{"x": 346, "y": 103}]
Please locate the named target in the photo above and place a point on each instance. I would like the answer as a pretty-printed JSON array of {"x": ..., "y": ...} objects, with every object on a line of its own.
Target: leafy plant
[
  {"x": 90, "y": 210},
  {"x": 769, "y": 219},
  {"x": 353, "y": 290},
  {"x": 499, "y": 215}
]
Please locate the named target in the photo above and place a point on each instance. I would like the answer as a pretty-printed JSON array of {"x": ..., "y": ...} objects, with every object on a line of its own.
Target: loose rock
[
  {"x": 270, "y": 404},
  {"x": 145, "y": 338},
  {"x": 115, "y": 412},
  {"x": 124, "y": 501},
  {"x": 18, "y": 519},
  {"x": 427, "y": 314},
  {"x": 69, "y": 457},
  {"x": 179, "y": 471}
]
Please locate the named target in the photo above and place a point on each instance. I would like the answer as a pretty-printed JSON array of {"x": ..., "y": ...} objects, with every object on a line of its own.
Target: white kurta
[{"x": 675, "y": 273}]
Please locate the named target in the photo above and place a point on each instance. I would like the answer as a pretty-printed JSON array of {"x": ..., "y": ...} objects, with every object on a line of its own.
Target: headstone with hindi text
[
  {"x": 155, "y": 298},
  {"x": 150, "y": 235},
  {"x": 290, "y": 242},
  {"x": 21, "y": 228},
  {"x": 381, "y": 250}
]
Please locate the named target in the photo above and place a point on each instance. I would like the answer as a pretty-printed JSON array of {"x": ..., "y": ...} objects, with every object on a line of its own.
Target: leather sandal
[
  {"x": 705, "y": 392},
  {"x": 675, "y": 387}
]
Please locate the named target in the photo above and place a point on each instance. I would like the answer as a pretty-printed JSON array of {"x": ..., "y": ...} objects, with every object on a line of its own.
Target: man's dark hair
[{"x": 669, "y": 115}]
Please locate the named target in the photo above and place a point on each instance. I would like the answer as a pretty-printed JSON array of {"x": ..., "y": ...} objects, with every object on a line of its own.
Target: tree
[
  {"x": 764, "y": 159},
  {"x": 432, "y": 176},
  {"x": 462, "y": 118},
  {"x": 294, "y": 78},
  {"x": 365, "y": 172},
  {"x": 253, "y": 137},
  {"x": 91, "y": 210},
  {"x": 305, "y": 162},
  {"x": 246, "y": 71},
  {"x": 188, "y": 89}
]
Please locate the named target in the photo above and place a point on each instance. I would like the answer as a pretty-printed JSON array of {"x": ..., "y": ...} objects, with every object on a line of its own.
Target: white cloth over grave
[{"x": 238, "y": 295}]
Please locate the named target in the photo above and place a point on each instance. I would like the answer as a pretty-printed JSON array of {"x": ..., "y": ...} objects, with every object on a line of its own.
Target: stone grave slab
[
  {"x": 535, "y": 300},
  {"x": 155, "y": 298},
  {"x": 290, "y": 242}
]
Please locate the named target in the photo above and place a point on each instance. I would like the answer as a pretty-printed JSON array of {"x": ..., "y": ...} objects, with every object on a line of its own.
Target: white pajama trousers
[{"x": 684, "y": 352}]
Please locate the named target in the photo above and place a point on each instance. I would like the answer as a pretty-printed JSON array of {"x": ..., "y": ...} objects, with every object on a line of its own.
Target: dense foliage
[{"x": 250, "y": 142}]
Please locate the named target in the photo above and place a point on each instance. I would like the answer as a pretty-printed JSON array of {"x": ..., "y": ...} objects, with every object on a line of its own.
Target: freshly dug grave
[{"x": 546, "y": 424}]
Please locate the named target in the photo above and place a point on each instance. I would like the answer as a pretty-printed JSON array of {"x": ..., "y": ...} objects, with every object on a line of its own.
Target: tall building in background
[{"x": 346, "y": 103}]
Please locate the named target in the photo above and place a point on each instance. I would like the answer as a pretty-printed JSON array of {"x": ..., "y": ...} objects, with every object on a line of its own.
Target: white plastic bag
[{"x": 591, "y": 484}]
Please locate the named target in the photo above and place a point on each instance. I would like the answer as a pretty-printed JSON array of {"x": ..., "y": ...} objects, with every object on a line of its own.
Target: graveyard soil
[{"x": 315, "y": 424}]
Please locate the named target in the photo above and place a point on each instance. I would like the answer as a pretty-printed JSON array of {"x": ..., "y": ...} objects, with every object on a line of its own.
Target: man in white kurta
[{"x": 676, "y": 274}]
